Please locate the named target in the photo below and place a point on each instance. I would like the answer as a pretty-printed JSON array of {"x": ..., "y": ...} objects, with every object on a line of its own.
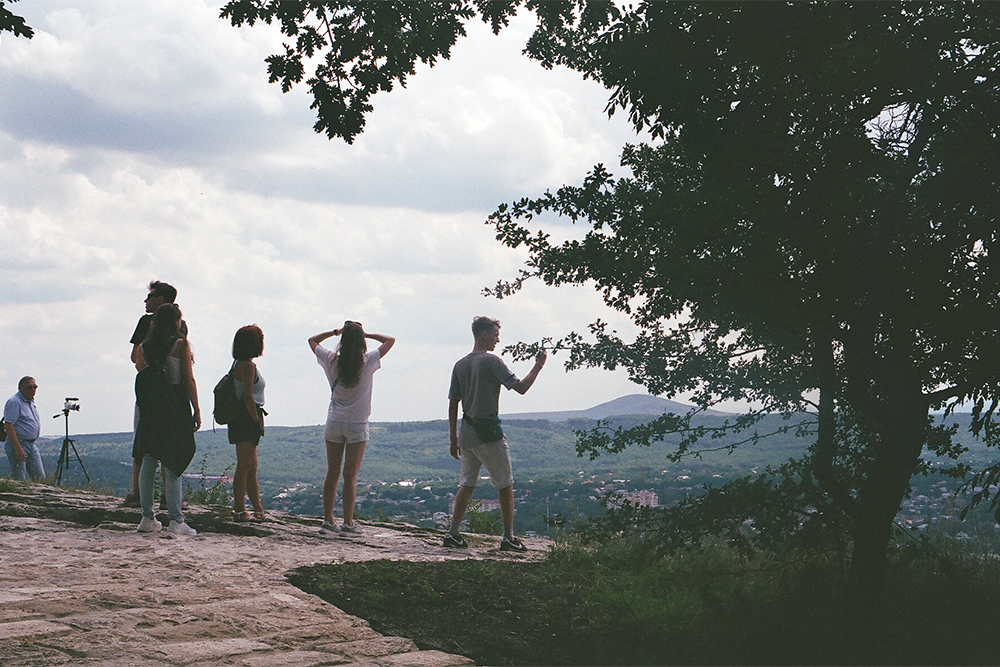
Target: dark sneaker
[
  {"x": 455, "y": 541},
  {"x": 512, "y": 544},
  {"x": 131, "y": 500}
]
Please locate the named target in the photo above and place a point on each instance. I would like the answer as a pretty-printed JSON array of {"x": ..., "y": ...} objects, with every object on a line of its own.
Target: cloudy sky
[{"x": 142, "y": 141}]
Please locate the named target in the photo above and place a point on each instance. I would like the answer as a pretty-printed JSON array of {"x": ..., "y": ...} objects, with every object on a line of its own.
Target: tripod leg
[
  {"x": 63, "y": 460},
  {"x": 79, "y": 460}
]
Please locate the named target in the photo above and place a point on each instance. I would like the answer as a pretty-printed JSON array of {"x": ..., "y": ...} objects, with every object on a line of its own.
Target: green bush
[{"x": 483, "y": 523}]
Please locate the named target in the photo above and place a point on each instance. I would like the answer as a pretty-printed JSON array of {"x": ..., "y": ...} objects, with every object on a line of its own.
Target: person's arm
[
  {"x": 136, "y": 350},
  {"x": 453, "y": 426},
  {"x": 138, "y": 358},
  {"x": 19, "y": 456},
  {"x": 320, "y": 337},
  {"x": 387, "y": 343},
  {"x": 524, "y": 384},
  {"x": 187, "y": 378},
  {"x": 245, "y": 372}
]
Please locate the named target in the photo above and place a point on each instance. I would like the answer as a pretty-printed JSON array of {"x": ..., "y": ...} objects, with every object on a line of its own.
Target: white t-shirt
[{"x": 349, "y": 404}]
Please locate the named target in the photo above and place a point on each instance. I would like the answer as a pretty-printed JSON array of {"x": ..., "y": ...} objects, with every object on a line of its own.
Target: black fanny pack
[{"x": 487, "y": 428}]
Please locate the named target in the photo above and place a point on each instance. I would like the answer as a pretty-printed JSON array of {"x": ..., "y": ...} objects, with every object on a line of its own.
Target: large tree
[{"x": 813, "y": 224}]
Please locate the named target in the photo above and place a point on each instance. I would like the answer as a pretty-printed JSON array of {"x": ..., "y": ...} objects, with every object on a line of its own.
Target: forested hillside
[{"x": 550, "y": 478}]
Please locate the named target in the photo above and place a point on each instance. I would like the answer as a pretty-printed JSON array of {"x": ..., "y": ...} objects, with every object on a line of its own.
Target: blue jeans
[
  {"x": 32, "y": 462},
  {"x": 171, "y": 489}
]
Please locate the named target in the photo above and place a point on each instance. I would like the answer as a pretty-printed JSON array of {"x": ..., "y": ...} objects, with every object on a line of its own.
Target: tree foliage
[
  {"x": 815, "y": 227},
  {"x": 11, "y": 22},
  {"x": 358, "y": 48}
]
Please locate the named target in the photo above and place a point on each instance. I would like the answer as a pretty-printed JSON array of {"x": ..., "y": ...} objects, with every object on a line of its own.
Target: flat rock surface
[{"x": 79, "y": 585}]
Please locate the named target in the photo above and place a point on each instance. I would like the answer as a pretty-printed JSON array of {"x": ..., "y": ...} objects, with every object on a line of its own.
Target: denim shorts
[{"x": 346, "y": 433}]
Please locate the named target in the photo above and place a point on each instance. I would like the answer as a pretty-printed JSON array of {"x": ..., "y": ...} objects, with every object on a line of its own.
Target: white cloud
[{"x": 142, "y": 141}]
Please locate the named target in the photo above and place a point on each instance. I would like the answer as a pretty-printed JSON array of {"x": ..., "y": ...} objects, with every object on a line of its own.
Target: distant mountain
[{"x": 633, "y": 404}]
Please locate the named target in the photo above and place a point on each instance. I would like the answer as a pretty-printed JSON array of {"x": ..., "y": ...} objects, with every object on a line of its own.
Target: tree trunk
[{"x": 901, "y": 440}]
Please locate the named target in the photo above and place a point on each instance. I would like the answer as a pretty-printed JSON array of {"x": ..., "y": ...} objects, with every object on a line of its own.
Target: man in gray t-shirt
[{"x": 475, "y": 383}]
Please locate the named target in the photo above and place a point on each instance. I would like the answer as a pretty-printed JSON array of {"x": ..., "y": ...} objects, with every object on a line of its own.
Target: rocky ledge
[{"x": 79, "y": 585}]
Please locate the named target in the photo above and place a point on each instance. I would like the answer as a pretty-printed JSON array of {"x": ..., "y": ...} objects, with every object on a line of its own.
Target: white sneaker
[
  {"x": 328, "y": 529},
  {"x": 181, "y": 528},
  {"x": 149, "y": 525},
  {"x": 351, "y": 530}
]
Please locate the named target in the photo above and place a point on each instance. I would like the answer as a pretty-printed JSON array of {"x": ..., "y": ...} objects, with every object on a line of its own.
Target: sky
[{"x": 141, "y": 141}]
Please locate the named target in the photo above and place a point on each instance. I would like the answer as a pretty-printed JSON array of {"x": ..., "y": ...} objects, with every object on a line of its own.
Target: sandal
[
  {"x": 241, "y": 517},
  {"x": 259, "y": 517}
]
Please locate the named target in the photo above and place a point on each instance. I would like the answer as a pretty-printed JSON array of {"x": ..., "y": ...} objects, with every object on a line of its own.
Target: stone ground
[{"x": 79, "y": 585}]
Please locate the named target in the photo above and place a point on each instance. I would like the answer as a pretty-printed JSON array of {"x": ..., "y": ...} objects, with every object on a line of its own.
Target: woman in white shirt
[{"x": 349, "y": 370}]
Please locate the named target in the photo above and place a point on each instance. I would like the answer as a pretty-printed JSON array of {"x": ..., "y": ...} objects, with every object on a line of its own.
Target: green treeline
[{"x": 550, "y": 479}]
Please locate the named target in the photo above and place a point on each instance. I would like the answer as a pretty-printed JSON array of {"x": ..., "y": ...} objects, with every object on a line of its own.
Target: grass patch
[
  {"x": 612, "y": 606},
  {"x": 10, "y": 486}
]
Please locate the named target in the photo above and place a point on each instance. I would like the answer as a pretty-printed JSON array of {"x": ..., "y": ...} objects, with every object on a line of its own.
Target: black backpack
[
  {"x": 155, "y": 395},
  {"x": 226, "y": 406}
]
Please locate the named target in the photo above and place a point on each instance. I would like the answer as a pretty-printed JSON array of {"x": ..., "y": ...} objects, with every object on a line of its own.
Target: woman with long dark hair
[
  {"x": 166, "y": 433},
  {"x": 349, "y": 370},
  {"x": 246, "y": 430}
]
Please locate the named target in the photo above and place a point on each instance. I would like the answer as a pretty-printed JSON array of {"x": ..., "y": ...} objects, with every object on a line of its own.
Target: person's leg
[
  {"x": 240, "y": 477},
  {"x": 352, "y": 463},
  {"x": 147, "y": 481},
  {"x": 506, "y": 496},
  {"x": 163, "y": 487},
  {"x": 136, "y": 466},
  {"x": 18, "y": 471},
  {"x": 33, "y": 462},
  {"x": 462, "y": 499},
  {"x": 136, "y": 463},
  {"x": 253, "y": 489},
  {"x": 172, "y": 490},
  {"x": 334, "y": 457}
]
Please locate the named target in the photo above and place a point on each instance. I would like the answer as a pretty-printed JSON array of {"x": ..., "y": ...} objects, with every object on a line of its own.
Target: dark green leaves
[
  {"x": 10, "y": 22},
  {"x": 356, "y": 49}
]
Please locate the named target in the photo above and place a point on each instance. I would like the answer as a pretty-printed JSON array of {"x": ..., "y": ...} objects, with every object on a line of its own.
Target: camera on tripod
[{"x": 72, "y": 404}]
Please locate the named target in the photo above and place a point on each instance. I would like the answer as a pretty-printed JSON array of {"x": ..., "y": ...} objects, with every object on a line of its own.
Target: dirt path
[{"x": 78, "y": 585}]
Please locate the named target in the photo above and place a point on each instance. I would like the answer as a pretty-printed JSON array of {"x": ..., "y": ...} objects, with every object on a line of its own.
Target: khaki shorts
[{"x": 475, "y": 454}]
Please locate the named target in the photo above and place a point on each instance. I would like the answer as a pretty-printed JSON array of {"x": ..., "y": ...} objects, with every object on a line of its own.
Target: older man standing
[{"x": 23, "y": 426}]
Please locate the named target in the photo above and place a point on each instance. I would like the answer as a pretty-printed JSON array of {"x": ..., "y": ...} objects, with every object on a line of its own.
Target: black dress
[{"x": 170, "y": 441}]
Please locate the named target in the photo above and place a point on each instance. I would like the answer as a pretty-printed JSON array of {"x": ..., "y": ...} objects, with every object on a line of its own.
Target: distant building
[
  {"x": 486, "y": 504},
  {"x": 644, "y": 498}
]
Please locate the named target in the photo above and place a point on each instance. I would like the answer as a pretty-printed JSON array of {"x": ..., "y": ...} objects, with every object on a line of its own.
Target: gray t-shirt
[{"x": 476, "y": 381}]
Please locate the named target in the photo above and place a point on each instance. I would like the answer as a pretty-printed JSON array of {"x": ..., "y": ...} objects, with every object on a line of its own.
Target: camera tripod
[{"x": 64, "y": 460}]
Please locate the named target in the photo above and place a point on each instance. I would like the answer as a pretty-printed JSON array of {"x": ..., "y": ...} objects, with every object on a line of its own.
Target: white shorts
[
  {"x": 346, "y": 433},
  {"x": 475, "y": 454}
]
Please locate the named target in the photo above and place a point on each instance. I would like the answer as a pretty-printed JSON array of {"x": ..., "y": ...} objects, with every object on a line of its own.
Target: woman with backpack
[
  {"x": 349, "y": 370},
  {"x": 247, "y": 427},
  {"x": 165, "y": 393}
]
